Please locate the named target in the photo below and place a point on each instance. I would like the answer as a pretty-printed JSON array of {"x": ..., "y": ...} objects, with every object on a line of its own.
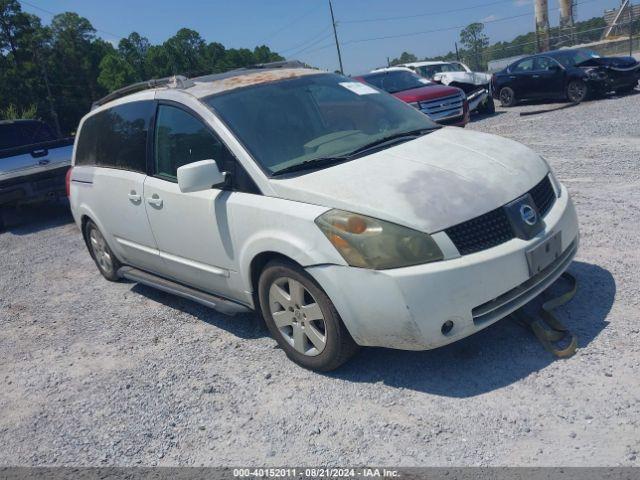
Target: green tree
[
  {"x": 134, "y": 50},
  {"x": 116, "y": 72},
  {"x": 475, "y": 42},
  {"x": 405, "y": 57}
]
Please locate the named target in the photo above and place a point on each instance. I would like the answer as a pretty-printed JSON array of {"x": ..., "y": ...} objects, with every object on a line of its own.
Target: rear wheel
[
  {"x": 577, "y": 91},
  {"x": 302, "y": 319},
  {"x": 507, "y": 97},
  {"x": 105, "y": 260}
]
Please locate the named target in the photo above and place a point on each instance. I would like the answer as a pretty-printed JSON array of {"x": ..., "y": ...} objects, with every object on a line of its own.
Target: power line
[
  {"x": 53, "y": 14},
  {"x": 291, "y": 22},
  {"x": 436, "y": 30},
  {"x": 312, "y": 44},
  {"x": 429, "y": 14},
  {"x": 306, "y": 42}
]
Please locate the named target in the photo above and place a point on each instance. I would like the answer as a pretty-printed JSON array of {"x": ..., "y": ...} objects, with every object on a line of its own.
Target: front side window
[
  {"x": 524, "y": 66},
  {"x": 181, "y": 139},
  {"x": 545, "y": 63},
  {"x": 306, "y": 119}
]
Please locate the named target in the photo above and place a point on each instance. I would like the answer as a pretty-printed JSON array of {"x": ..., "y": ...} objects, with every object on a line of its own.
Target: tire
[
  {"x": 507, "y": 97},
  {"x": 302, "y": 319},
  {"x": 489, "y": 106},
  {"x": 577, "y": 91},
  {"x": 102, "y": 255}
]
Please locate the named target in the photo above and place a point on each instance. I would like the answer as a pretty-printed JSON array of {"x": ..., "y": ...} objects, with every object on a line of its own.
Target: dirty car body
[{"x": 404, "y": 225}]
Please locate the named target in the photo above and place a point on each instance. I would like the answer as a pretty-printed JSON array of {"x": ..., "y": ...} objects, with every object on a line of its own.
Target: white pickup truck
[
  {"x": 476, "y": 85},
  {"x": 33, "y": 162}
]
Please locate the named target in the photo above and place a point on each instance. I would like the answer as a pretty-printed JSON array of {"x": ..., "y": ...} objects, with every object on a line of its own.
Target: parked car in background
[
  {"x": 444, "y": 105},
  {"x": 476, "y": 85},
  {"x": 571, "y": 74},
  {"x": 33, "y": 162},
  {"x": 342, "y": 215}
]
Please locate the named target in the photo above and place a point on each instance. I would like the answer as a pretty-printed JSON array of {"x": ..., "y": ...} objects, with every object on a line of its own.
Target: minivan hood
[{"x": 431, "y": 183}]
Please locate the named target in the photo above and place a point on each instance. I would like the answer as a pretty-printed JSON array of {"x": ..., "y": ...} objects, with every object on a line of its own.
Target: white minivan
[{"x": 342, "y": 215}]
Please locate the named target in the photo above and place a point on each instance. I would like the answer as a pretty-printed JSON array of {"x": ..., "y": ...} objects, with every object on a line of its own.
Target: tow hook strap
[{"x": 548, "y": 329}]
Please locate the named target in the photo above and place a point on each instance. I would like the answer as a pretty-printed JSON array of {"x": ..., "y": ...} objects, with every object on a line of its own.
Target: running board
[{"x": 222, "y": 305}]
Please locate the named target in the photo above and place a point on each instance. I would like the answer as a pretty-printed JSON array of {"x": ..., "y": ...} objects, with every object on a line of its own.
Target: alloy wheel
[
  {"x": 576, "y": 91},
  {"x": 100, "y": 250},
  {"x": 297, "y": 316}
]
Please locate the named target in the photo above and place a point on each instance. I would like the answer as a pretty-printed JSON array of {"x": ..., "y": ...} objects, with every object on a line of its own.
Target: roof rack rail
[
  {"x": 175, "y": 81},
  {"x": 280, "y": 64}
]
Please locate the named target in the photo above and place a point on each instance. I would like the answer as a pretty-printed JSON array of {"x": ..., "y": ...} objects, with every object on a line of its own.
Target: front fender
[{"x": 282, "y": 226}]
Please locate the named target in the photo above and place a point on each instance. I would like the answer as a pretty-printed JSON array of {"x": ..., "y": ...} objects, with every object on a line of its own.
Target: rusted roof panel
[{"x": 205, "y": 86}]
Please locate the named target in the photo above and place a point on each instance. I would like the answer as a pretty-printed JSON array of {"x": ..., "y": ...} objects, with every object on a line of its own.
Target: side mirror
[{"x": 199, "y": 176}]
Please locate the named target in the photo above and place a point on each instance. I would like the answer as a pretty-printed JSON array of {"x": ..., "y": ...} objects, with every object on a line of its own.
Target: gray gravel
[{"x": 96, "y": 373}]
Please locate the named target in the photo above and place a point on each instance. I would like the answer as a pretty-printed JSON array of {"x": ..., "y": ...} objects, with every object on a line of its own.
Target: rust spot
[{"x": 254, "y": 78}]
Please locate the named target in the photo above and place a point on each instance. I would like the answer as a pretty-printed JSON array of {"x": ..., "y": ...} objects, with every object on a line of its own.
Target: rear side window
[
  {"x": 117, "y": 137},
  {"x": 181, "y": 139},
  {"x": 23, "y": 133}
]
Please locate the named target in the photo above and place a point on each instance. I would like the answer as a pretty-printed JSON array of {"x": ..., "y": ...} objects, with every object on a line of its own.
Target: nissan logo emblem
[{"x": 528, "y": 214}]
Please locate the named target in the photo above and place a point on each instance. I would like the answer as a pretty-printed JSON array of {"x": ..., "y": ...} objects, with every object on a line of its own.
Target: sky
[{"x": 369, "y": 31}]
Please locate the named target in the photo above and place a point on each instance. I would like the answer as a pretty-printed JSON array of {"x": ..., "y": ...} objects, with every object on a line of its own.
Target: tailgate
[{"x": 37, "y": 158}]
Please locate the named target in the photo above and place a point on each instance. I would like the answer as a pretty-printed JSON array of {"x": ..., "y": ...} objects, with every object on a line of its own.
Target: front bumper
[{"x": 405, "y": 308}]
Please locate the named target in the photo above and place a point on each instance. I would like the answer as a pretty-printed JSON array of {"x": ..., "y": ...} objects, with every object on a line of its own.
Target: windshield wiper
[
  {"x": 311, "y": 164},
  {"x": 392, "y": 138},
  {"x": 330, "y": 161}
]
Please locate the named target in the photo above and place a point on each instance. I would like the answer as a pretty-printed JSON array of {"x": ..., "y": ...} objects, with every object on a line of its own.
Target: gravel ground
[{"x": 97, "y": 373}]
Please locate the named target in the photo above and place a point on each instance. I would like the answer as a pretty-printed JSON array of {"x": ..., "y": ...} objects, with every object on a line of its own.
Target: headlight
[
  {"x": 554, "y": 181},
  {"x": 371, "y": 243},
  {"x": 415, "y": 105}
]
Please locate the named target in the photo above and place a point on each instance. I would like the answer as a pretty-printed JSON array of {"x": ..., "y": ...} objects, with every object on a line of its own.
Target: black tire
[
  {"x": 339, "y": 346},
  {"x": 577, "y": 91},
  {"x": 507, "y": 97},
  {"x": 108, "y": 270},
  {"x": 489, "y": 107}
]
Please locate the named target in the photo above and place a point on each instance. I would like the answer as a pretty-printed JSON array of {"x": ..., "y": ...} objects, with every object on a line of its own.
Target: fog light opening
[{"x": 447, "y": 327}]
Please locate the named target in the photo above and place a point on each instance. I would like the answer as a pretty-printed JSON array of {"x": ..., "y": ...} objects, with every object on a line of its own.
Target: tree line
[
  {"x": 56, "y": 71},
  {"x": 476, "y": 50}
]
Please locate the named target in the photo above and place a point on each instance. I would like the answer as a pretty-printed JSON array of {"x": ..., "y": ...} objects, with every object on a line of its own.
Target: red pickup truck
[{"x": 444, "y": 105}]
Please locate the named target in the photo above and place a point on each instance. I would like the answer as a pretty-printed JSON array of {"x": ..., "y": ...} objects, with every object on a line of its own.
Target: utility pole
[
  {"x": 335, "y": 34},
  {"x": 457, "y": 53},
  {"x": 630, "y": 30}
]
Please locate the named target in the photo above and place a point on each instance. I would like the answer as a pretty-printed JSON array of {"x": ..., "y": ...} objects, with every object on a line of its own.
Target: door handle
[
  {"x": 512, "y": 77},
  {"x": 134, "y": 197},
  {"x": 155, "y": 201},
  {"x": 535, "y": 76}
]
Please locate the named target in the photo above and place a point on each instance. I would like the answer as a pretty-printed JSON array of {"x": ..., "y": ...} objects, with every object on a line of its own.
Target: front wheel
[
  {"x": 302, "y": 318},
  {"x": 577, "y": 91},
  {"x": 507, "y": 97},
  {"x": 489, "y": 107}
]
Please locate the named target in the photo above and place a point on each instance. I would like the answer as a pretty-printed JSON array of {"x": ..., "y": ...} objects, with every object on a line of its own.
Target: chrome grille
[{"x": 444, "y": 108}]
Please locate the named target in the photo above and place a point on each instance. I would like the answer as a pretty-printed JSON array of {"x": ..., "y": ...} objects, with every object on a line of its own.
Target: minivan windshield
[{"x": 313, "y": 118}]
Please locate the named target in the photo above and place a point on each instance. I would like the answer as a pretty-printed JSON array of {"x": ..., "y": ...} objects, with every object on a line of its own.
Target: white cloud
[
  {"x": 490, "y": 18},
  {"x": 521, "y": 3}
]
